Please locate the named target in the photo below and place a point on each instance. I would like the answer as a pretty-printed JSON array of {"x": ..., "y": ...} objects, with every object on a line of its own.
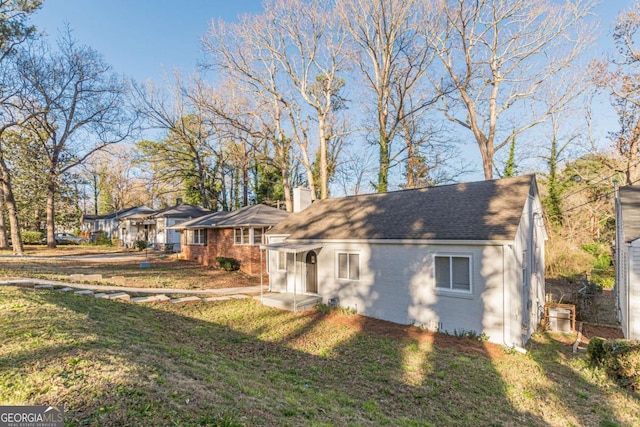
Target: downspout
[
  {"x": 261, "y": 277},
  {"x": 295, "y": 281},
  {"x": 506, "y": 326}
]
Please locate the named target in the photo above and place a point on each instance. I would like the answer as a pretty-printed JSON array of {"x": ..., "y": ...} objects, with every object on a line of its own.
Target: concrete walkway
[{"x": 246, "y": 290}]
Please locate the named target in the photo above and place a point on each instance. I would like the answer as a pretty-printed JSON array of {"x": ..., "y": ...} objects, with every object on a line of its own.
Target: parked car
[{"x": 67, "y": 239}]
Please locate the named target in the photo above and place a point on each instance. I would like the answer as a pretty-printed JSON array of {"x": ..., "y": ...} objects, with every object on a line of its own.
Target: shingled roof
[
  {"x": 249, "y": 216},
  {"x": 629, "y": 197},
  {"x": 183, "y": 210},
  {"x": 484, "y": 210}
]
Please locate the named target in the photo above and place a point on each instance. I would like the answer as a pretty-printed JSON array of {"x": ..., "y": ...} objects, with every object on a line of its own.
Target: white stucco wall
[
  {"x": 631, "y": 301},
  {"x": 397, "y": 283}
]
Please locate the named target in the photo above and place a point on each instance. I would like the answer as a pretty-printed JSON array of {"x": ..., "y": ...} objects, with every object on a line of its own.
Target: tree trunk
[
  {"x": 383, "y": 173},
  {"x": 12, "y": 211},
  {"x": 51, "y": 193},
  {"x": 324, "y": 162},
  {"x": 4, "y": 241}
]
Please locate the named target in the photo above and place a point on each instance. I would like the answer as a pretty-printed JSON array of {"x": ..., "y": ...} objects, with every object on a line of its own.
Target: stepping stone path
[
  {"x": 185, "y": 300},
  {"x": 120, "y": 295},
  {"x": 123, "y": 296},
  {"x": 211, "y": 299},
  {"x": 153, "y": 298}
]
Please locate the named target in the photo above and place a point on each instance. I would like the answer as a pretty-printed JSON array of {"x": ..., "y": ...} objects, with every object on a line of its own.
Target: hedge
[
  {"x": 228, "y": 264},
  {"x": 619, "y": 357}
]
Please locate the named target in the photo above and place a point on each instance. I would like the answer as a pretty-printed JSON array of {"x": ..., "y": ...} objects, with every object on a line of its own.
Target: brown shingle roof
[
  {"x": 484, "y": 210},
  {"x": 249, "y": 216},
  {"x": 630, "y": 207}
]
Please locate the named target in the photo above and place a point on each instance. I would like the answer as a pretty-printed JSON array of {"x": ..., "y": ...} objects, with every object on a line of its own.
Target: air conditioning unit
[{"x": 560, "y": 320}]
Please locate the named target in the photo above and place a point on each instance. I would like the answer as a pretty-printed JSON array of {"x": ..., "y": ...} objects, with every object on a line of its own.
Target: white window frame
[
  {"x": 281, "y": 261},
  {"x": 197, "y": 236},
  {"x": 348, "y": 253},
  {"x": 247, "y": 236},
  {"x": 450, "y": 289}
]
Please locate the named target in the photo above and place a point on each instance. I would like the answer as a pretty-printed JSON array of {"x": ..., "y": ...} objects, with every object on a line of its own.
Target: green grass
[{"x": 236, "y": 363}]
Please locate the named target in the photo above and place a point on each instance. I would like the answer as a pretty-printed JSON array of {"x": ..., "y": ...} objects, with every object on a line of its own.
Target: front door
[{"x": 312, "y": 272}]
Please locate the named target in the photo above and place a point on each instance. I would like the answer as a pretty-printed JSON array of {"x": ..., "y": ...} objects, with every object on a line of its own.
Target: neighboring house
[
  {"x": 236, "y": 234},
  {"x": 112, "y": 223},
  {"x": 166, "y": 218},
  {"x": 627, "y": 262},
  {"x": 454, "y": 258}
]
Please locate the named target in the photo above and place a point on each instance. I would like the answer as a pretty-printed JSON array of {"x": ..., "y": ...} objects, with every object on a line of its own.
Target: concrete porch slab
[{"x": 291, "y": 302}]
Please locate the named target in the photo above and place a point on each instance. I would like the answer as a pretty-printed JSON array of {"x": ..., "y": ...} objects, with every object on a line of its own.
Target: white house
[
  {"x": 113, "y": 224},
  {"x": 454, "y": 258},
  {"x": 173, "y": 215},
  {"x": 627, "y": 287}
]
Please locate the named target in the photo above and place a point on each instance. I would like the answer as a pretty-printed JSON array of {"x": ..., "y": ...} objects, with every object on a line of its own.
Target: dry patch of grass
[
  {"x": 165, "y": 272},
  {"x": 239, "y": 363}
]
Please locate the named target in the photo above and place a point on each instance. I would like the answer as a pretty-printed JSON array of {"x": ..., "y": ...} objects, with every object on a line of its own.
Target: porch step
[
  {"x": 121, "y": 296},
  {"x": 290, "y": 302},
  {"x": 153, "y": 298}
]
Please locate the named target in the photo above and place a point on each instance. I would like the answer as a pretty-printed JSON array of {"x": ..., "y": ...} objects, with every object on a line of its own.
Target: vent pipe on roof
[
  {"x": 179, "y": 201},
  {"x": 301, "y": 199}
]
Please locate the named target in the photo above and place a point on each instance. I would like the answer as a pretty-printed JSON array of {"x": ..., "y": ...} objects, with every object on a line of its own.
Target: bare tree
[
  {"x": 186, "y": 154},
  {"x": 498, "y": 54},
  {"x": 311, "y": 50},
  {"x": 79, "y": 108},
  {"x": 14, "y": 30},
  {"x": 393, "y": 61},
  {"x": 239, "y": 53},
  {"x": 623, "y": 84}
]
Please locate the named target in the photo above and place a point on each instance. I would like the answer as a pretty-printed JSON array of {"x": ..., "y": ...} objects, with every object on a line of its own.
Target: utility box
[{"x": 560, "y": 320}]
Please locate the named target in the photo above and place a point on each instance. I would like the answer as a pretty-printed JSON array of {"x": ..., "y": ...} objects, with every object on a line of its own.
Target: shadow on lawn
[{"x": 150, "y": 365}]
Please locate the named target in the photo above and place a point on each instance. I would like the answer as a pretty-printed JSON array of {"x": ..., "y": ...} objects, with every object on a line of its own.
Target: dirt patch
[{"x": 397, "y": 331}]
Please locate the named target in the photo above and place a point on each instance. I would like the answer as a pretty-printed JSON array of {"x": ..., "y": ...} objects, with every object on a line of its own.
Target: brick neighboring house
[{"x": 236, "y": 234}]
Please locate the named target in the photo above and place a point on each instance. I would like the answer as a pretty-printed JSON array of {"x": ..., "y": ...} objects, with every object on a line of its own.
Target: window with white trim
[
  {"x": 348, "y": 265},
  {"x": 197, "y": 236},
  {"x": 282, "y": 261},
  {"x": 247, "y": 236},
  {"x": 453, "y": 273}
]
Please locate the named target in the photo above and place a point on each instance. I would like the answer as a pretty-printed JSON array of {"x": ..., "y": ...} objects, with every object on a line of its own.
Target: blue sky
[{"x": 141, "y": 38}]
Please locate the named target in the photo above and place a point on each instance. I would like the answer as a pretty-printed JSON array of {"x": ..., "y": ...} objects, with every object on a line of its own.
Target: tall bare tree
[
  {"x": 621, "y": 78},
  {"x": 14, "y": 30},
  {"x": 393, "y": 61},
  {"x": 239, "y": 52},
  {"x": 498, "y": 54},
  {"x": 80, "y": 108},
  {"x": 311, "y": 50}
]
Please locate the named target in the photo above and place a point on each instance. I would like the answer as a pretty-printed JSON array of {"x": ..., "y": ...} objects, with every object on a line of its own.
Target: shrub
[
  {"x": 564, "y": 259},
  {"x": 101, "y": 239},
  {"x": 601, "y": 254},
  {"x": 31, "y": 237},
  {"x": 141, "y": 245},
  {"x": 595, "y": 351},
  {"x": 620, "y": 358},
  {"x": 623, "y": 362},
  {"x": 228, "y": 264}
]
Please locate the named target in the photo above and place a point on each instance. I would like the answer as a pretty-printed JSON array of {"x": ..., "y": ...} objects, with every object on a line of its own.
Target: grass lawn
[
  {"x": 165, "y": 271},
  {"x": 239, "y": 363}
]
